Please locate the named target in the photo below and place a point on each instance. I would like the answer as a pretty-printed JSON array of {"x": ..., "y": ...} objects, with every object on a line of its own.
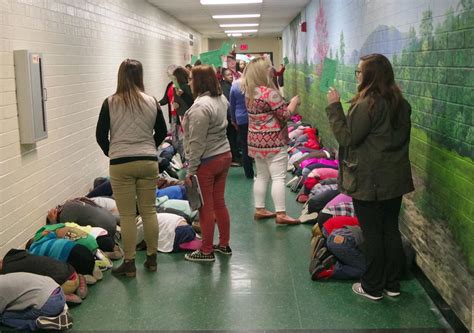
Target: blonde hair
[{"x": 256, "y": 74}]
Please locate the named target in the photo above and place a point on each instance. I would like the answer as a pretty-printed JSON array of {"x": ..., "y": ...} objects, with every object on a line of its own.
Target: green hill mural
[{"x": 433, "y": 61}]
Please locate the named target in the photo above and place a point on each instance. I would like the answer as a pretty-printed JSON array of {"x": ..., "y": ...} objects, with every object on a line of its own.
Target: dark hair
[
  {"x": 197, "y": 63},
  {"x": 188, "y": 66},
  {"x": 130, "y": 82},
  {"x": 204, "y": 79},
  {"x": 378, "y": 81},
  {"x": 182, "y": 75},
  {"x": 225, "y": 70}
]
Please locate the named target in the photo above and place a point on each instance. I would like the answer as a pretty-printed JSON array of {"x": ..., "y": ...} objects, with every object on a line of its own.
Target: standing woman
[
  {"x": 232, "y": 133},
  {"x": 375, "y": 169},
  {"x": 268, "y": 137},
  {"x": 209, "y": 157},
  {"x": 137, "y": 127}
]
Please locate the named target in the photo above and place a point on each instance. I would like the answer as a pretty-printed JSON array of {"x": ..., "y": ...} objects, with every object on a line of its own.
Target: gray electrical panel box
[{"x": 30, "y": 96}]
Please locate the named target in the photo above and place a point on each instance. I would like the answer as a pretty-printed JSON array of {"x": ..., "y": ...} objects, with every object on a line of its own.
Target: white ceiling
[{"x": 275, "y": 15}]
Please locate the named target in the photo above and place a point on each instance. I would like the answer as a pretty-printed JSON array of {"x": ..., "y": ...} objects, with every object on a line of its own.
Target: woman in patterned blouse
[{"x": 268, "y": 137}]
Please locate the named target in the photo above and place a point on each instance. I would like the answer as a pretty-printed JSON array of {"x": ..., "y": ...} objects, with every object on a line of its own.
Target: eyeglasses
[{"x": 357, "y": 72}]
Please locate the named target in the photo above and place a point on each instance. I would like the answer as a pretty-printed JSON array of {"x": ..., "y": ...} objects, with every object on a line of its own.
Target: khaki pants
[{"x": 134, "y": 183}]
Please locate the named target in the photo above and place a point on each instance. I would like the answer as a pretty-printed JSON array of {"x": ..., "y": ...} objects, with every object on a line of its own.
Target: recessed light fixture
[
  {"x": 235, "y": 16},
  {"x": 239, "y": 31},
  {"x": 241, "y": 25},
  {"x": 234, "y": 35},
  {"x": 228, "y": 2}
]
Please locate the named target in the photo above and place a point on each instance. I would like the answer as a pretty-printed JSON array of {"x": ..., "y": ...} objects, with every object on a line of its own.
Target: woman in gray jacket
[
  {"x": 208, "y": 153},
  {"x": 375, "y": 168}
]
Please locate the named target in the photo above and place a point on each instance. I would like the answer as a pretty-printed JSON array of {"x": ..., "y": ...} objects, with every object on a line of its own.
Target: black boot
[
  {"x": 150, "y": 263},
  {"x": 126, "y": 268}
]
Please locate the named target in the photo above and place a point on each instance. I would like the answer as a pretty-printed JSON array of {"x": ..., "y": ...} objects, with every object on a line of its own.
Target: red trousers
[{"x": 212, "y": 176}]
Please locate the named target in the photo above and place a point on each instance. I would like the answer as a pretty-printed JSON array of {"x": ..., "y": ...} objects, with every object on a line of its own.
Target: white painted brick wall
[{"x": 83, "y": 43}]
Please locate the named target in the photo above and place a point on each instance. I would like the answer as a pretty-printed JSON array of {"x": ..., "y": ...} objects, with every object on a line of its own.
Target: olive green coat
[{"x": 373, "y": 156}]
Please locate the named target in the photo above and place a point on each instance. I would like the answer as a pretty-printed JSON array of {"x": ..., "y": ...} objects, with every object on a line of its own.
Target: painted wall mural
[{"x": 431, "y": 46}]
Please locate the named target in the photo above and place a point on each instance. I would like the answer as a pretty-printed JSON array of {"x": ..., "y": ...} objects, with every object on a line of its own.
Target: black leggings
[
  {"x": 382, "y": 245},
  {"x": 81, "y": 259}
]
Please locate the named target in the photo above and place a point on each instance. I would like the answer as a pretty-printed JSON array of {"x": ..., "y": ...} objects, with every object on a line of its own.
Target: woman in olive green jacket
[{"x": 375, "y": 168}]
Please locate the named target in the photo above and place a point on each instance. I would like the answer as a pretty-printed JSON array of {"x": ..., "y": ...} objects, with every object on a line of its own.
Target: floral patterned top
[{"x": 268, "y": 133}]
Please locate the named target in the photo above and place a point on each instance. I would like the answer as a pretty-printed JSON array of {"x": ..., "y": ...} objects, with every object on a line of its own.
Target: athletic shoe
[
  {"x": 73, "y": 299},
  {"x": 82, "y": 291},
  {"x": 357, "y": 288},
  {"x": 59, "y": 323},
  {"x": 224, "y": 250},
  {"x": 391, "y": 293},
  {"x": 198, "y": 256}
]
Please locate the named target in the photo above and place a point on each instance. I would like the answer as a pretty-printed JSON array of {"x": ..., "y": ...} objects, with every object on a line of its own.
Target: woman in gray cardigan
[{"x": 208, "y": 153}]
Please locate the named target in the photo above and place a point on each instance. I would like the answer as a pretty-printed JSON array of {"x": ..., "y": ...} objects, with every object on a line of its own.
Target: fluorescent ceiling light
[
  {"x": 228, "y": 2},
  {"x": 234, "y": 35},
  {"x": 235, "y": 16},
  {"x": 241, "y": 25},
  {"x": 241, "y": 31}
]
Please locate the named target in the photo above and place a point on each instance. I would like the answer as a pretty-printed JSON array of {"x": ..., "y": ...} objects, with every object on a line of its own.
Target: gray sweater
[
  {"x": 205, "y": 125},
  {"x": 19, "y": 291}
]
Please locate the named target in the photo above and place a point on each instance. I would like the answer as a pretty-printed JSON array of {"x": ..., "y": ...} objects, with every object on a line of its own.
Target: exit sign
[{"x": 244, "y": 47}]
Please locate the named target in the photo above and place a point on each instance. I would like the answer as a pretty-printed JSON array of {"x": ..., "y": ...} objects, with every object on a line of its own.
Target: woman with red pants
[{"x": 208, "y": 153}]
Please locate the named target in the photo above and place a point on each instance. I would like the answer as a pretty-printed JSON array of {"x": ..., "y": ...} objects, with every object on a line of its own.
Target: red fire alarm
[
  {"x": 244, "y": 47},
  {"x": 303, "y": 26}
]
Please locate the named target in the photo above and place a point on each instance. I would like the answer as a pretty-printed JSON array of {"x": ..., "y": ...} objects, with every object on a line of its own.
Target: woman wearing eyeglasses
[{"x": 375, "y": 168}]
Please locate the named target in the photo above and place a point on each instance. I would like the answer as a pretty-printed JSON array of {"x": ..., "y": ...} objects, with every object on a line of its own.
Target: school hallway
[{"x": 265, "y": 285}]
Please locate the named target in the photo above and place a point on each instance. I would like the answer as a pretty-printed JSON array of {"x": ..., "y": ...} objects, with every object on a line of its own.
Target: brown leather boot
[
  {"x": 282, "y": 218},
  {"x": 150, "y": 263},
  {"x": 262, "y": 213},
  {"x": 127, "y": 268}
]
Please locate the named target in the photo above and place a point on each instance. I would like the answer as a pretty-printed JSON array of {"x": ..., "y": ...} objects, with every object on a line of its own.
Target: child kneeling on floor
[{"x": 30, "y": 302}]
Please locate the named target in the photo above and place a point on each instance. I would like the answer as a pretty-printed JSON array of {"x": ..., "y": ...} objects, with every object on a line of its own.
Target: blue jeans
[
  {"x": 26, "y": 319},
  {"x": 350, "y": 260}
]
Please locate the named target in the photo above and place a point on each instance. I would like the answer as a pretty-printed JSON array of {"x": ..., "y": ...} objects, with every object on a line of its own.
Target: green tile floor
[{"x": 264, "y": 285}]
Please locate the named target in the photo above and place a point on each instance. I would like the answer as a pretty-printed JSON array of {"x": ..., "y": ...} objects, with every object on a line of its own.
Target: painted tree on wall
[
  {"x": 342, "y": 46},
  {"x": 320, "y": 39},
  {"x": 426, "y": 29}
]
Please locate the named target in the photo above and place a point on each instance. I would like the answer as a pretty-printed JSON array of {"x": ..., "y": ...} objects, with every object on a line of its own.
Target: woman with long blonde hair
[
  {"x": 137, "y": 127},
  {"x": 268, "y": 137}
]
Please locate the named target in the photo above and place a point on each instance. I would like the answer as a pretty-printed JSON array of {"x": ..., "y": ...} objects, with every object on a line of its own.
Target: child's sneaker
[
  {"x": 199, "y": 256},
  {"x": 391, "y": 293},
  {"x": 82, "y": 291},
  {"x": 224, "y": 249},
  {"x": 59, "y": 323},
  {"x": 357, "y": 288}
]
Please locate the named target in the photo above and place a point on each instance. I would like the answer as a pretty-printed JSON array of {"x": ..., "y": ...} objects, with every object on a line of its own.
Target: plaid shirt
[{"x": 341, "y": 209}]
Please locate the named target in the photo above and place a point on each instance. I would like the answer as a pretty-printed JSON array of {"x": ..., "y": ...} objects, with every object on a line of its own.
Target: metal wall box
[{"x": 30, "y": 95}]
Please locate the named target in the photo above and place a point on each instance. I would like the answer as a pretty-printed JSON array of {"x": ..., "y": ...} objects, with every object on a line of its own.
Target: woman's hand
[
  {"x": 296, "y": 100},
  {"x": 333, "y": 96},
  {"x": 179, "y": 92},
  {"x": 175, "y": 105}
]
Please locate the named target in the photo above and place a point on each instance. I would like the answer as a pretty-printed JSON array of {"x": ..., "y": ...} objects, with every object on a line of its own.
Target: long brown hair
[
  {"x": 182, "y": 75},
  {"x": 378, "y": 81},
  {"x": 204, "y": 79},
  {"x": 130, "y": 83}
]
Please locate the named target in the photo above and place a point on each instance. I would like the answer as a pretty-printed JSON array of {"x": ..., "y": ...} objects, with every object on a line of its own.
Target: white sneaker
[
  {"x": 357, "y": 288},
  {"x": 391, "y": 293},
  {"x": 292, "y": 181}
]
